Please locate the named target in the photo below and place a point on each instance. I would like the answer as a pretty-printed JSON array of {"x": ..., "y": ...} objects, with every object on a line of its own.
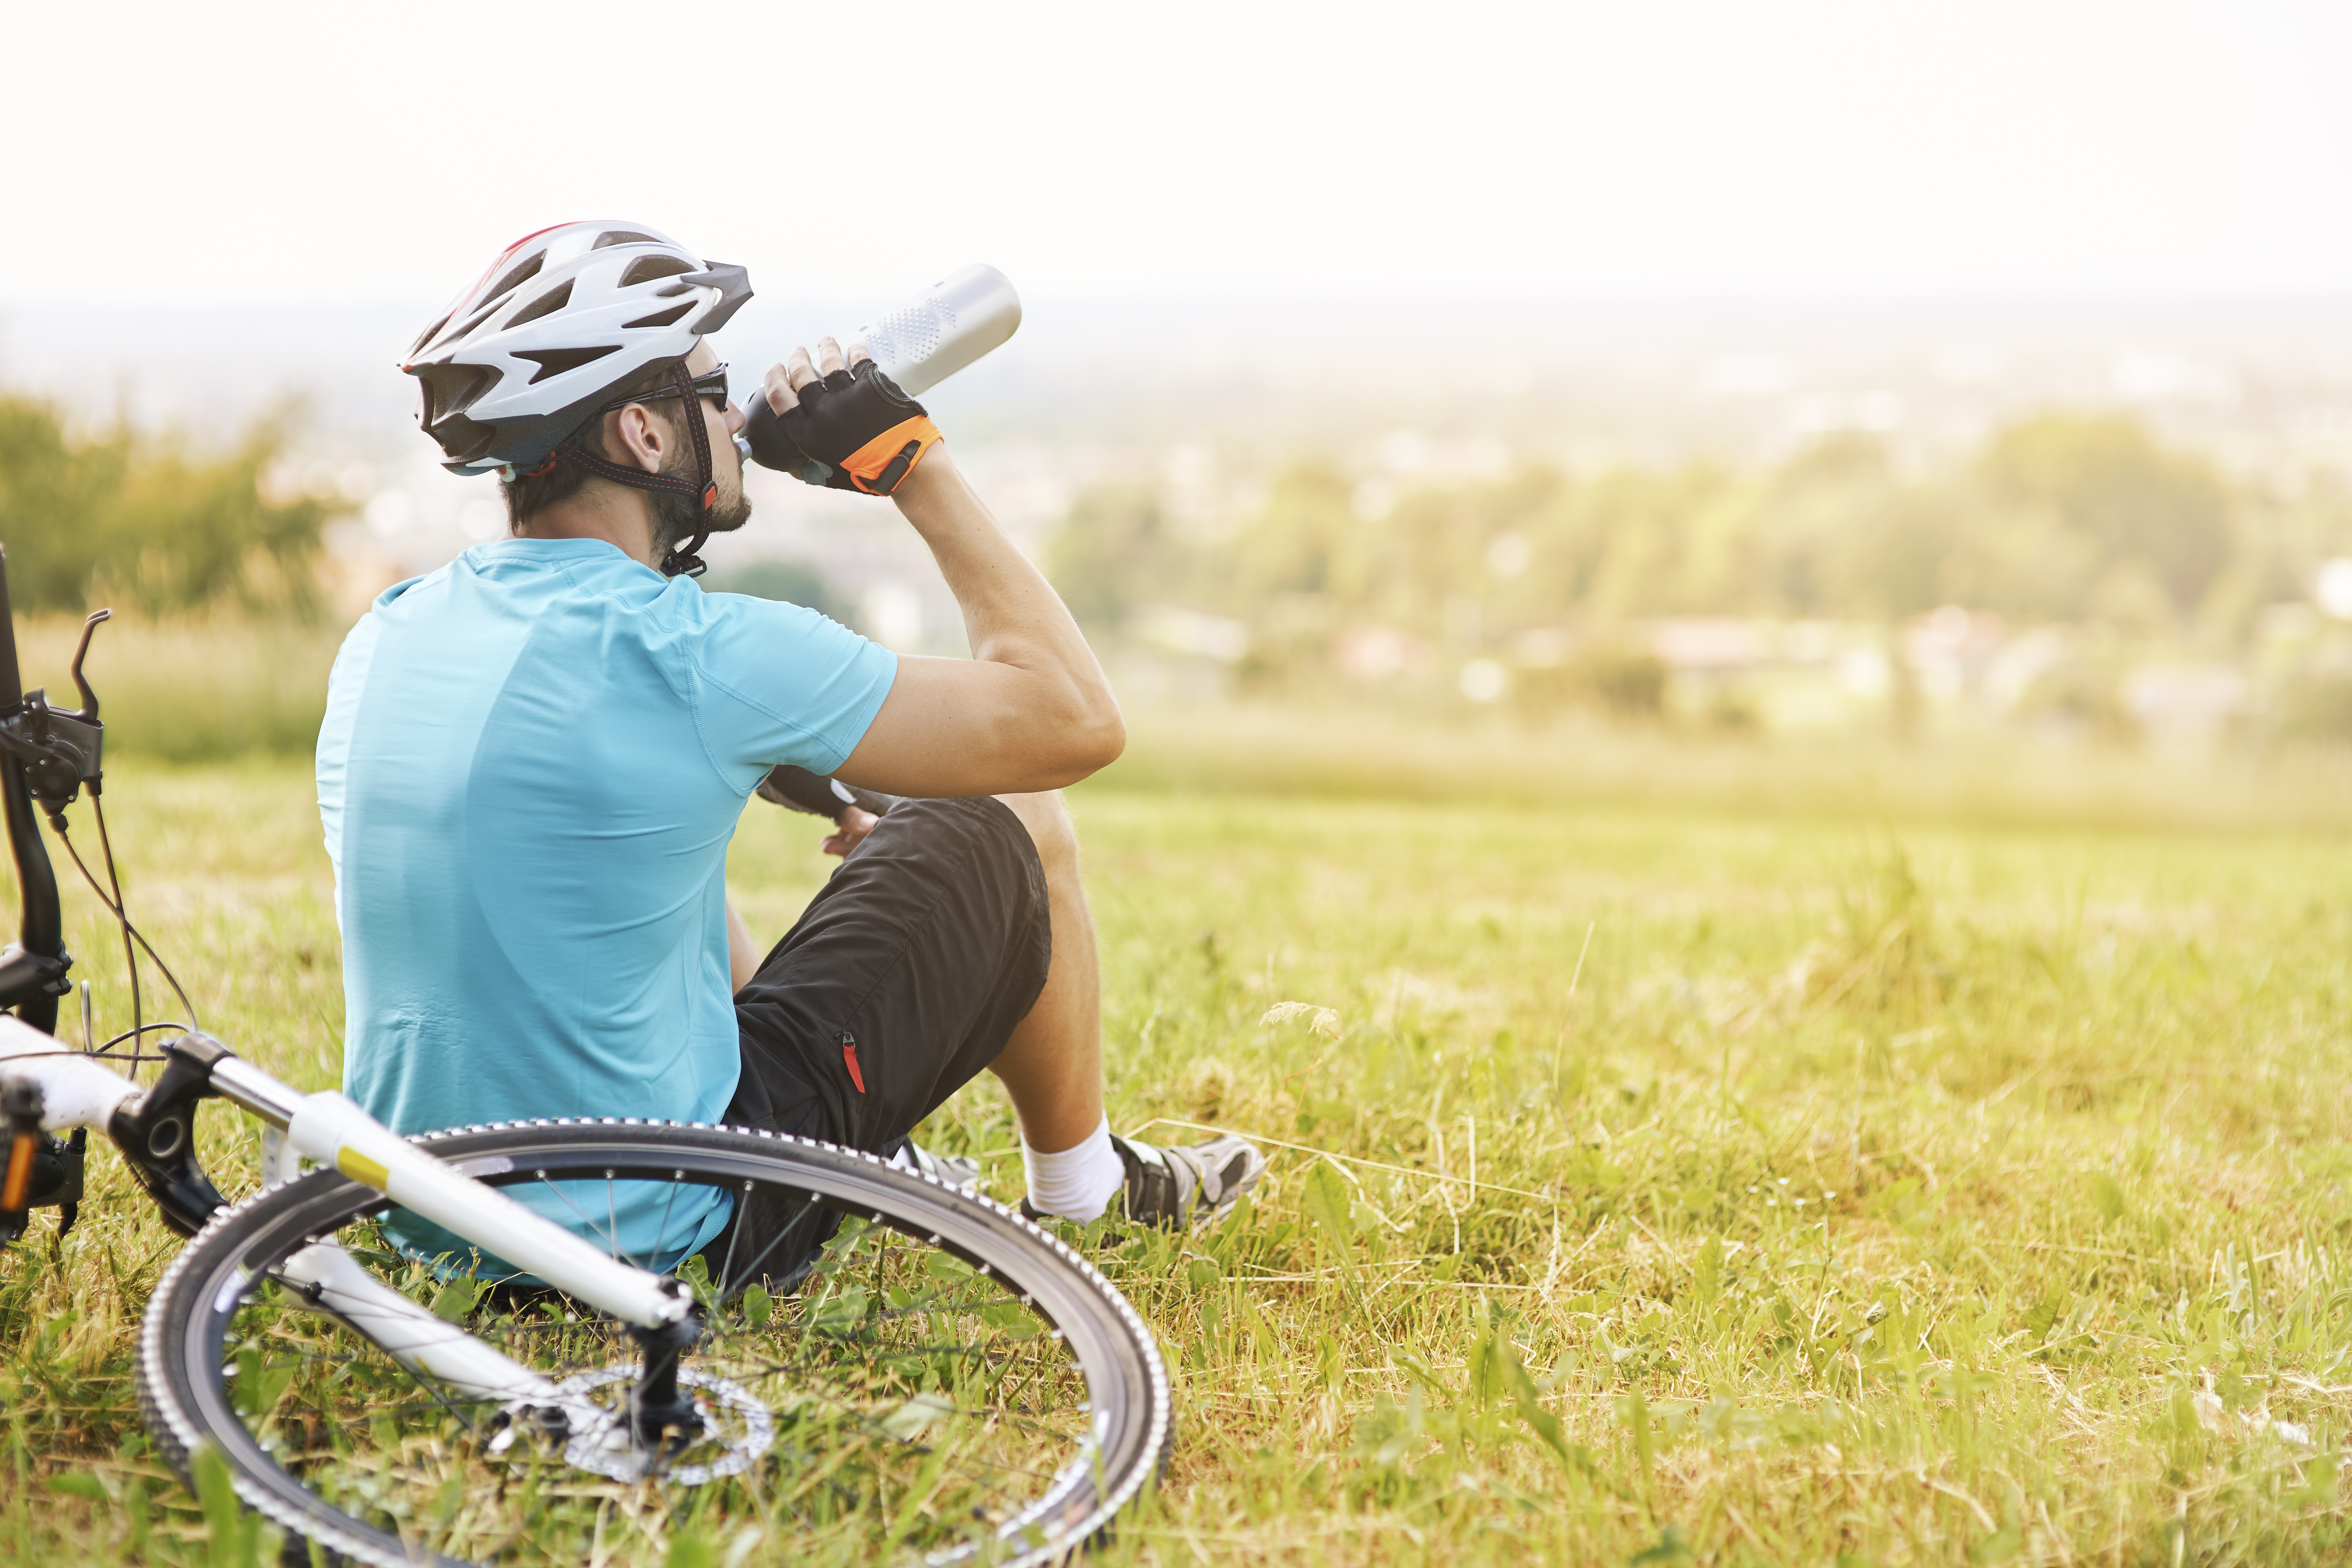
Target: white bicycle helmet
[{"x": 562, "y": 316}]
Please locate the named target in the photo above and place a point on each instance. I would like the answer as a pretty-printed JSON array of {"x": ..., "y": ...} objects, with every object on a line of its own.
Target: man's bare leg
[{"x": 1051, "y": 1065}]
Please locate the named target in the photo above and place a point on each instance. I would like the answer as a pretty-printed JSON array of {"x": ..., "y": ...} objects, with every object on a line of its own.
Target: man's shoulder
[
  {"x": 729, "y": 629},
  {"x": 402, "y": 589},
  {"x": 710, "y": 608}
]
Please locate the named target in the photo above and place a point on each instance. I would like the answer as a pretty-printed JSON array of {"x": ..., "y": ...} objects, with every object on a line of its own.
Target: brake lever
[
  {"x": 89, "y": 712},
  {"x": 61, "y": 748}
]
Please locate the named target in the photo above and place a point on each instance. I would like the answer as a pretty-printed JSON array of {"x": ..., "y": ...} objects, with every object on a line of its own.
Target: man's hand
[
  {"x": 855, "y": 824},
  {"x": 838, "y": 422},
  {"x": 785, "y": 381}
]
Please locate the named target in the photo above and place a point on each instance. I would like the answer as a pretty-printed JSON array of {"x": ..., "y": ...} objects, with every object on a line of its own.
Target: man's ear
[{"x": 636, "y": 438}]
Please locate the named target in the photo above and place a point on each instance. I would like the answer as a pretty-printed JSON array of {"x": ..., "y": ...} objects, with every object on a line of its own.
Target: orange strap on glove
[{"x": 854, "y": 430}]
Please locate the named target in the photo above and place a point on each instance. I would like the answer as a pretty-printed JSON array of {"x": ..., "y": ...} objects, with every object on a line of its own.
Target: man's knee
[{"x": 1050, "y": 828}]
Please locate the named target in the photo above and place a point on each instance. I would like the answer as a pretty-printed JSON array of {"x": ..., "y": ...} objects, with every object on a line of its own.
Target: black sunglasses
[{"x": 711, "y": 384}]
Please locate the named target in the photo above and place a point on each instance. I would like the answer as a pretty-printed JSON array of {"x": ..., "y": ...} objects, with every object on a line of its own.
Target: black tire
[{"x": 964, "y": 1278}]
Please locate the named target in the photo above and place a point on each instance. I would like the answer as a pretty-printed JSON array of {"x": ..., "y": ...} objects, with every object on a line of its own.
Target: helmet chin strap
[{"x": 681, "y": 560}]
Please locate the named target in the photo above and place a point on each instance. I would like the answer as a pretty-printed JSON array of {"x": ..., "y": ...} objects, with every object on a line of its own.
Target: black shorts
[{"x": 902, "y": 979}]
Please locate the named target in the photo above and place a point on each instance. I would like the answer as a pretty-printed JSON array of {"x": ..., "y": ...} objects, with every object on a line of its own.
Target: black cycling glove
[{"x": 854, "y": 430}]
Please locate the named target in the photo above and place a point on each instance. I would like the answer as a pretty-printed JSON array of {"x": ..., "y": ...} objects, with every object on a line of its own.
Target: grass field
[{"x": 1701, "y": 1187}]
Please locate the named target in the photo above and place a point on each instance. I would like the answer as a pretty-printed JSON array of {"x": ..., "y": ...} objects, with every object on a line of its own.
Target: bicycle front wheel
[{"x": 941, "y": 1380}]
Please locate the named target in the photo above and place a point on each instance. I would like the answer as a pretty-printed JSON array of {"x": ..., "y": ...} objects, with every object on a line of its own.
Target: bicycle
[{"x": 907, "y": 1368}]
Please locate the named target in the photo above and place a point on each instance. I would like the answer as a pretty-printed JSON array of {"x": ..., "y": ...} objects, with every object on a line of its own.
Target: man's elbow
[
  {"x": 1105, "y": 739},
  {"x": 1089, "y": 742}
]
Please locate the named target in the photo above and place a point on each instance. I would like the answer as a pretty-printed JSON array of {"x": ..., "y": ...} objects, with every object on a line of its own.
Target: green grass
[
  {"x": 1924, "y": 1194},
  {"x": 206, "y": 687},
  {"x": 1956, "y": 771}
]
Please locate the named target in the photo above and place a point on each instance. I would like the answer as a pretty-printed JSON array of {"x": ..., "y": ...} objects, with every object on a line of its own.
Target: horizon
[{"x": 1649, "y": 379}]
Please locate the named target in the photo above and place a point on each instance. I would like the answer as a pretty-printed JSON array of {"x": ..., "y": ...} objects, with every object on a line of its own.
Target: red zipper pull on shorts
[{"x": 849, "y": 1056}]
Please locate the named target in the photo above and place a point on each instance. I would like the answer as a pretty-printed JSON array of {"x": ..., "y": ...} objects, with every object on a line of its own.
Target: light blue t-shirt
[{"x": 531, "y": 764}]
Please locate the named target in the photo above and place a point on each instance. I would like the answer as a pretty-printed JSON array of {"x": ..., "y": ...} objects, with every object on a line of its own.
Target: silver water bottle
[
  {"x": 950, "y": 325},
  {"x": 953, "y": 322}
]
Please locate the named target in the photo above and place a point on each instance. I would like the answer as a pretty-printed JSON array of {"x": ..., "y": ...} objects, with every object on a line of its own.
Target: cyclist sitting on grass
[{"x": 534, "y": 758}]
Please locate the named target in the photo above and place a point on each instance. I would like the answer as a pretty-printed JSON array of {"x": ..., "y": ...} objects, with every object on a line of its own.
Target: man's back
[{"x": 531, "y": 764}]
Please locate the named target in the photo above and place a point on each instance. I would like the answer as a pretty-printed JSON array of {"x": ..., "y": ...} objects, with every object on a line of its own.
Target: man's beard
[{"x": 679, "y": 518}]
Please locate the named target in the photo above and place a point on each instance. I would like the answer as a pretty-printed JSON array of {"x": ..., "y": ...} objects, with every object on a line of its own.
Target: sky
[{"x": 176, "y": 156}]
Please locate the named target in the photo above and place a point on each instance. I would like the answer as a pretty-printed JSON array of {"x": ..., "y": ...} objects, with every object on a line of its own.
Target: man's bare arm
[{"x": 1031, "y": 709}]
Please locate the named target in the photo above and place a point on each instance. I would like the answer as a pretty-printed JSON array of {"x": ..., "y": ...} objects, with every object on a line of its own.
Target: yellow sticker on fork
[{"x": 361, "y": 1169}]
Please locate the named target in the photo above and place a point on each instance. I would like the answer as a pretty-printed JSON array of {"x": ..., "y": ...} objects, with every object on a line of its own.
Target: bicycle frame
[{"x": 45, "y": 755}]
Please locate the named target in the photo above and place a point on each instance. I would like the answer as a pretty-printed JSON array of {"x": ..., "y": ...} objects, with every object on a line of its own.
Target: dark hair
[{"x": 528, "y": 496}]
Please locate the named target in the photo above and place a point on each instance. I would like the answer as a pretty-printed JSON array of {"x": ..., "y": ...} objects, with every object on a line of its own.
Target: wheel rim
[{"x": 947, "y": 1382}]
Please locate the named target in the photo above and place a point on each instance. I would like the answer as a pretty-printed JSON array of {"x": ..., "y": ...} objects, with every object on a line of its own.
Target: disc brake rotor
[{"x": 737, "y": 1428}]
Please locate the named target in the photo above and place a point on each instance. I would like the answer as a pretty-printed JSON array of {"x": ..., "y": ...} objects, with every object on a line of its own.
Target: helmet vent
[
  {"x": 452, "y": 388},
  {"x": 463, "y": 441},
  {"x": 518, "y": 277},
  {"x": 645, "y": 268},
  {"x": 556, "y": 362},
  {"x": 626, "y": 237},
  {"x": 662, "y": 317},
  {"x": 547, "y": 304}
]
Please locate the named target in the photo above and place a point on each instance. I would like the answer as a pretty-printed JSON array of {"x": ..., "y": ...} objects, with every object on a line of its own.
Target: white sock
[{"x": 1076, "y": 1184}]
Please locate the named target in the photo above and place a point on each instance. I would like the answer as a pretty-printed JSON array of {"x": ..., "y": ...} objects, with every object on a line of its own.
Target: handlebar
[{"x": 32, "y": 969}]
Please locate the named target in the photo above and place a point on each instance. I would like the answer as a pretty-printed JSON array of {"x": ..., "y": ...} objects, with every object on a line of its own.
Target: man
[{"x": 534, "y": 758}]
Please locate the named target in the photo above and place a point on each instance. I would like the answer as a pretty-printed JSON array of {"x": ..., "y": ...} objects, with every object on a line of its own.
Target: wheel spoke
[{"x": 612, "y": 1242}]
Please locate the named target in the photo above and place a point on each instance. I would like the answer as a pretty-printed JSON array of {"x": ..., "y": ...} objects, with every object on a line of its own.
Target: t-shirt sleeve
[{"x": 780, "y": 683}]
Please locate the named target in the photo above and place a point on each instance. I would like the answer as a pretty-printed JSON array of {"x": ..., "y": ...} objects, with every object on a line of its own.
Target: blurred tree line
[
  {"x": 2081, "y": 518},
  {"x": 146, "y": 522}
]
